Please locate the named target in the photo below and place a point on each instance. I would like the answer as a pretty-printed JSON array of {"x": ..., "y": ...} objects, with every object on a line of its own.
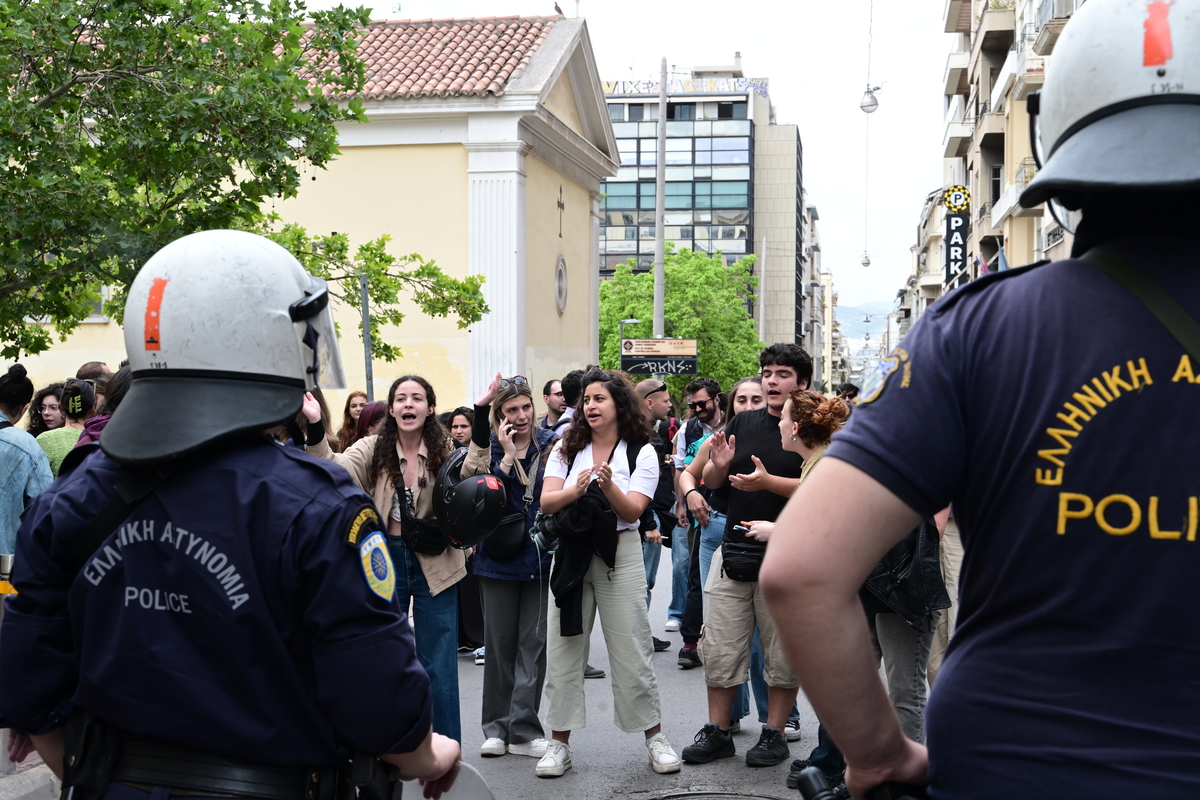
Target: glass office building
[{"x": 733, "y": 180}]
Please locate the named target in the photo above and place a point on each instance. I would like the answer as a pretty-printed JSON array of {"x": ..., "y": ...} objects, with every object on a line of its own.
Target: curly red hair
[{"x": 818, "y": 417}]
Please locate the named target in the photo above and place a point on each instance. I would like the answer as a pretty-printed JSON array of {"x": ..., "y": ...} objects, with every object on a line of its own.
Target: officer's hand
[
  {"x": 19, "y": 746},
  {"x": 909, "y": 765},
  {"x": 446, "y": 753},
  {"x": 311, "y": 408}
]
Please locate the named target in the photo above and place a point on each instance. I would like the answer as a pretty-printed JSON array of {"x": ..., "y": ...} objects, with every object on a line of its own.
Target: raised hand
[
  {"x": 311, "y": 408},
  {"x": 489, "y": 394},
  {"x": 583, "y": 479},
  {"x": 505, "y": 434},
  {"x": 721, "y": 450}
]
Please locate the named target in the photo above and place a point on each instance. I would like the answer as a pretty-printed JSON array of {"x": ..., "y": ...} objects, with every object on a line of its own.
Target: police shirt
[
  {"x": 756, "y": 433},
  {"x": 1059, "y": 417},
  {"x": 246, "y": 608}
]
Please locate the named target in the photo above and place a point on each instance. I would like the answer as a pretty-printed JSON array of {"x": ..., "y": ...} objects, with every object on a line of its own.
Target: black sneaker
[
  {"x": 592, "y": 672},
  {"x": 800, "y": 764},
  {"x": 772, "y": 749},
  {"x": 710, "y": 744},
  {"x": 688, "y": 658},
  {"x": 660, "y": 644}
]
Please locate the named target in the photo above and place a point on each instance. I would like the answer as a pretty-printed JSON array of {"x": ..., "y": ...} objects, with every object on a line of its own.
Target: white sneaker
[
  {"x": 792, "y": 731},
  {"x": 672, "y": 625},
  {"x": 663, "y": 758},
  {"x": 557, "y": 760},
  {"x": 479, "y": 657},
  {"x": 493, "y": 747},
  {"x": 535, "y": 748}
]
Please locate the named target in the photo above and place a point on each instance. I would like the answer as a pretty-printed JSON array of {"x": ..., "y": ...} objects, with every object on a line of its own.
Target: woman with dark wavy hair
[
  {"x": 45, "y": 412},
  {"x": 604, "y": 571},
  {"x": 398, "y": 467},
  {"x": 354, "y": 406}
]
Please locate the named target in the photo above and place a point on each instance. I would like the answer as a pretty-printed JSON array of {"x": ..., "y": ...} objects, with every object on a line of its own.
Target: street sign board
[{"x": 659, "y": 356}]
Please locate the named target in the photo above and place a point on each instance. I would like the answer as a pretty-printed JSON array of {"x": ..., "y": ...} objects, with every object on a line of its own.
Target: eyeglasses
[
  {"x": 44, "y": 409},
  {"x": 699, "y": 405},
  {"x": 515, "y": 380}
]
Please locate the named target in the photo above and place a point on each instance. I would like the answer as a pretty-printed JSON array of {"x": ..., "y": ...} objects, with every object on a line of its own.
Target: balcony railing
[
  {"x": 983, "y": 210},
  {"x": 1008, "y": 204},
  {"x": 1052, "y": 17},
  {"x": 1026, "y": 171}
]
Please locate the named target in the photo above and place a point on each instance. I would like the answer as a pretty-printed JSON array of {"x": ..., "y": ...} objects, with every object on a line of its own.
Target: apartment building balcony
[
  {"x": 1052, "y": 17},
  {"x": 998, "y": 26},
  {"x": 1008, "y": 204},
  {"x": 990, "y": 127},
  {"x": 956, "y": 77},
  {"x": 1030, "y": 73},
  {"x": 959, "y": 128},
  {"x": 957, "y": 16},
  {"x": 1003, "y": 81}
]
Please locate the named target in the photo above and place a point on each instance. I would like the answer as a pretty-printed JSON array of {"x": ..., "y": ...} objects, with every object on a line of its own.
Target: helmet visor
[{"x": 320, "y": 336}]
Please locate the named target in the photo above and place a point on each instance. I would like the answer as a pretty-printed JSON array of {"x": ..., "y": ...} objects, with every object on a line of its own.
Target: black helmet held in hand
[{"x": 468, "y": 509}]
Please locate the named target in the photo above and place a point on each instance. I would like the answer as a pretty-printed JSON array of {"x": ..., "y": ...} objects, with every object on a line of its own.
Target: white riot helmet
[
  {"x": 1120, "y": 110},
  {"x": 225, "y": 332}
]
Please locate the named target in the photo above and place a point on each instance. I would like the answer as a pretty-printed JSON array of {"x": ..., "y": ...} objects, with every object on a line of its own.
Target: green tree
[
  {"x": 127, "y": 124},
  {"x": 434, "y": 292},
  {"x": 704, "y": 300}
]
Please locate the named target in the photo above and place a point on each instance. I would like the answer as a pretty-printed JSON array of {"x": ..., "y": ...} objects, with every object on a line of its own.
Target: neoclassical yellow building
[{"x": 485, "y": 147}]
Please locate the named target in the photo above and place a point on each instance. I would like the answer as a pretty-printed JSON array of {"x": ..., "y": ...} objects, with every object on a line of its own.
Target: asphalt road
[{"x": 611, "y": 763}]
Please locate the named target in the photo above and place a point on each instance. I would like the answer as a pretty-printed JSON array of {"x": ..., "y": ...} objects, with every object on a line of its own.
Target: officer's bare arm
[
  {"x": 433, "y": 759},
  {"x": 50, "y": 748},
  {"x": 836, "y": 527}
]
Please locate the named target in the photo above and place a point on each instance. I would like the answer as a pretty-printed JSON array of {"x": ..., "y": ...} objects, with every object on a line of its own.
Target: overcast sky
[{"x": 815, "y": 56}]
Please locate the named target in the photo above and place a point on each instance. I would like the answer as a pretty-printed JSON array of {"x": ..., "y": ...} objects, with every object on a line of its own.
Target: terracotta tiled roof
[{"x": 448, "y": 57}]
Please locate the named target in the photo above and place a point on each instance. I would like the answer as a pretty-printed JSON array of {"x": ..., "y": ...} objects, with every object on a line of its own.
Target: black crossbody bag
[{"x": 422, "y": 536}]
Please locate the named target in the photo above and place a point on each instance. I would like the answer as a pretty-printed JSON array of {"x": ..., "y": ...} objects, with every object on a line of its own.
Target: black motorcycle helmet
[{"x": 469, "y": 509}]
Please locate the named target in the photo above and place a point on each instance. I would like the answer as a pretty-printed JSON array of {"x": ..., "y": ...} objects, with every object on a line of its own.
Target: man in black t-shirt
[{"x": 749, "y": 456}]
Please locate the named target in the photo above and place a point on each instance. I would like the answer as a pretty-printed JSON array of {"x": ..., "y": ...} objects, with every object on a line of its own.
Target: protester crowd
[{"x": 594, "y": 489}]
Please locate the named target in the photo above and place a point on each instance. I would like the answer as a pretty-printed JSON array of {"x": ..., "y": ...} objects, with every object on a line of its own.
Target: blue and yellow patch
[
  {"x": 874, "y": 382},
  {"x": 377, "y": 566}
]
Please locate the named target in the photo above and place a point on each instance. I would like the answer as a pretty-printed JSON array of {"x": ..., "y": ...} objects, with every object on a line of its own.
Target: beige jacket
[{"x": 441, "y": 571}]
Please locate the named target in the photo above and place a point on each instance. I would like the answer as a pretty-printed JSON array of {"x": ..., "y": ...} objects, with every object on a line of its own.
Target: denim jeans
[
  {"x": 679, "y": 571},
  {"x": 651, "y": 555},
  {"x": 710, "y": 539},
  {"x": 905, "y": 653},
  {"x": 826, "y": 756},
  {"x": 435, "y": 626}
]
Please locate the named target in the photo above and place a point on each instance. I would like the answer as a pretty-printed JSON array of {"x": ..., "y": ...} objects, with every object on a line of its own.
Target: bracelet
[{"x": 505, "y": 466}]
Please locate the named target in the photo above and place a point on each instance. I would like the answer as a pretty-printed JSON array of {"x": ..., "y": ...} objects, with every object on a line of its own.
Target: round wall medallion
[{"x": 560, "y": 285}]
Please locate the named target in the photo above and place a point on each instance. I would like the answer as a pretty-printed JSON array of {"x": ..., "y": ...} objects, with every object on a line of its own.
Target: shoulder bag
[
  {"x": 422, "y": 536},
  {"x": 512, "y": 533}
]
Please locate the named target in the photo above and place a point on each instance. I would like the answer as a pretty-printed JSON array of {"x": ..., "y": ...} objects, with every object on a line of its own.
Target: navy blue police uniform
[
  {"x": 1058, "y": 416},
  {"x": 245, "y": 608}
]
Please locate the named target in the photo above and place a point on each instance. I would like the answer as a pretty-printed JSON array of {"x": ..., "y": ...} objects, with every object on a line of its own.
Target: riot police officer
[
  {"x": 199, "y": 608},
  {"x": 1055, "y": 407}
]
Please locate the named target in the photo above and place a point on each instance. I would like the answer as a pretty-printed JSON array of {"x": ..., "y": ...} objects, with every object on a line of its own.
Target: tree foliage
[
  {"x": 434, "y": 292},
  {"x": 125, "y": 124},
  {"x": 703, "y": 299}
]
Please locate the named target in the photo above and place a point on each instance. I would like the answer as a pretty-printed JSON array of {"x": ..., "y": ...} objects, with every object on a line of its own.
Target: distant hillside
[{"x": 851, "y": 318}]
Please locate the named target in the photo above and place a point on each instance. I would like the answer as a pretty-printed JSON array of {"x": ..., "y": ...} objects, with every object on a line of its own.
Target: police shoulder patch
[
  {"x": 377, "y": 566},
  {"x": 876, "y": 381},
  {"x": 364, "y": 521}
]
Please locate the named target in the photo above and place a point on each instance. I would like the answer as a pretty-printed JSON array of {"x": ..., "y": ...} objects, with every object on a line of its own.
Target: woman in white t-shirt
[{"x": 607, "y": 423}]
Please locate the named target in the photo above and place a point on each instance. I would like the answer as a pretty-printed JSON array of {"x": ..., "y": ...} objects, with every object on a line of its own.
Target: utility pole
[
  {"x": 366, "y": 328},
  {"x": 660, "y": 193},
  {"x": 762, "y": 292}
]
